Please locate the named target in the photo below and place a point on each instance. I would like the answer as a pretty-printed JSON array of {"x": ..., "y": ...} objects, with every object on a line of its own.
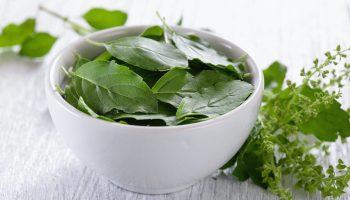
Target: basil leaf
[
  {"x": 104, "y": 56},
  {"x": 167, "y": 87},
  {"x": 215, "y": 100},
  {"x": 168, "y": 120},
  {"x": 86, "y": 109},
  {"x": 79, "y": 61},
  {"x": 274, "y": 76},
  {"x": 37, "y": 45},
  {"x": 106, "y": 86},
  {"x": 14, "y": 34},
  {"x": 100, "y": 18},
  {"x": 147, "y": 53},
  {"x": 71, "y": 96},
  {"x": 206, "y": 54},
  {"x": 204, "y": 79},
  {"x": 154, "y": 32}
]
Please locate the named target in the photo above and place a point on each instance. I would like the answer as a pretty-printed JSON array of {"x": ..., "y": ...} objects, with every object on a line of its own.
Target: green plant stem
[{"x": 76, "y": 27}]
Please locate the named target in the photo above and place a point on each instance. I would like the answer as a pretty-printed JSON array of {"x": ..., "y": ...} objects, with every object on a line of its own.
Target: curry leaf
[
  {"x": 14, "y": 34},
  {"x": 37, "y": 45},
  {"x": 106, "y": 86},
  {"x": 168, "y": 86},
  {"x": 100, "y": 18},
  {"x": 147, "y": 53},
  {"x": 215, "y": 100}
]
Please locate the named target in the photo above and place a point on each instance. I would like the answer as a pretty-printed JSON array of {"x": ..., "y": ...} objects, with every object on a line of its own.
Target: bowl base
[{"x": 152, "y": 190}]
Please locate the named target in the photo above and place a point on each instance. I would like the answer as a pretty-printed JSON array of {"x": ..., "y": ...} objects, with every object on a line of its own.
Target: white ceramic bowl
[{"x": 152, "y": 160}]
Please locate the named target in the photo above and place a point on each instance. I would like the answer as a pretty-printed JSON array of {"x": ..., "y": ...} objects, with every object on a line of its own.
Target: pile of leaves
[
  {"x": 159, "y": 78},
  {"x": 278, "y": 146}
]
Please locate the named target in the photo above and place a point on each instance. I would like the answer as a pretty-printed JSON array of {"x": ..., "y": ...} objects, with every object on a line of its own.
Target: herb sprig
[{"x": 277, "y": 148}]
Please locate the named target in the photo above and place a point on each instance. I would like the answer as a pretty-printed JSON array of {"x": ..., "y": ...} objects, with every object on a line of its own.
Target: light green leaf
[
  {"x": 154, "y": 32},
  {"x": 147, "y": 53},
  {"x": 167, "y": 87},
  {"x": 14, "y": 34},
  {"x": 100, "y": 18},
  {"x": 106, "y": 86},
  {"x": 215, "y": 100},
  {"x": 37, "y": 45}
]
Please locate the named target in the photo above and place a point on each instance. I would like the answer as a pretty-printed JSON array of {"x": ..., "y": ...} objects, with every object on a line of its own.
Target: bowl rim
[{"x": 52, "y": 71}]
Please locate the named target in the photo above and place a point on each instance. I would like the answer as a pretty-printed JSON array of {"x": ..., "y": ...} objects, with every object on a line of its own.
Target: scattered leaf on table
[
  {"x": 100, "y": 18},
  {"x": 14, "y": 34},
  {"x": 37, "y": 45}
]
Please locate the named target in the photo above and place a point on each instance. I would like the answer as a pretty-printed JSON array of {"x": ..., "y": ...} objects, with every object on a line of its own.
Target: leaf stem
[{"x": 75, "y": 26}]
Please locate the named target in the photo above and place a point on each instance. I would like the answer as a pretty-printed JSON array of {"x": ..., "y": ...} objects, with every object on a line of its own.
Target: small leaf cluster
[
  {"x": 158, "y": 78},
  {"x": 280, "y": 145},
  {"x": 32, "y": 44}
]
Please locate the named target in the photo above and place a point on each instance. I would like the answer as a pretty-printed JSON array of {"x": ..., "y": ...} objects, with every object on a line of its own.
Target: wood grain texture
[{"x": 36, "y": 164}]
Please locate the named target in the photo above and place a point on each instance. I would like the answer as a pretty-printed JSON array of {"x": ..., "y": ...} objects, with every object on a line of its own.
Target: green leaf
[
  {"x": 106, "y": 86},
  {"x": 204, "y": 79},
  {"x": 166, "y": 114},
  {"x": 14, "y": 34},
  {"x": 215, "y": 100},
  {"x": 168, "y": 86},
  {"x": 79, "y": 61},
  {"x": 100, "y": 18},
  {"x": 154, "y": 32},
  {"x": 147, "y": 53},
  {"x": 37, "y": 45},
  {"x": 104, "y": 56},
  {"x": 71, "y": 96},
  {"x": 206, "y": 54},
  {"x": 249, "y": 161},
  {"x": 330, "y": 122},
  {"x": 168, "y": 120},
  {"x": 86, "y": 109},
  {"x": 274, "y": 76}
]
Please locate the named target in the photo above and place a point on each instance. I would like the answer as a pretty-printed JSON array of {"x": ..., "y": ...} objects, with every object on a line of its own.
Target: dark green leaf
[
  {"x": 106, "y": 86},
  {"x": 147, "y": 53},
  {"x": 215, "y": 100},
  {"x": 86, "y": 109},
  {"x": 37, "y": 45},
  {"x": 274, "y": 76},
  {"x": 71, "y": 95},
  {"x": 206, "y": 54},
  {"x": 167, "y": 87},
  {"x": 14, "y": 34},
  {"x": 154, "y": 32},
  {"x": 204, "y": 79},
  {"x": 100, "y": 18},
  {"x": 168, "y": 120}
]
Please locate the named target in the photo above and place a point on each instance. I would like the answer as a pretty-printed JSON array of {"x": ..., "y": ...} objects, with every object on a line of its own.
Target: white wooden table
[{"x": 34, "y": 161}]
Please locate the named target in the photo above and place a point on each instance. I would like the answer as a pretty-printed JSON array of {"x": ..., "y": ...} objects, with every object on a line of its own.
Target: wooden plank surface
[{"x": 34, "y": 161}]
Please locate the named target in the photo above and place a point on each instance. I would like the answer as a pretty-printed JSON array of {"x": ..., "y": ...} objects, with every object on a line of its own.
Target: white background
[{"x": 34, "y": 161}]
